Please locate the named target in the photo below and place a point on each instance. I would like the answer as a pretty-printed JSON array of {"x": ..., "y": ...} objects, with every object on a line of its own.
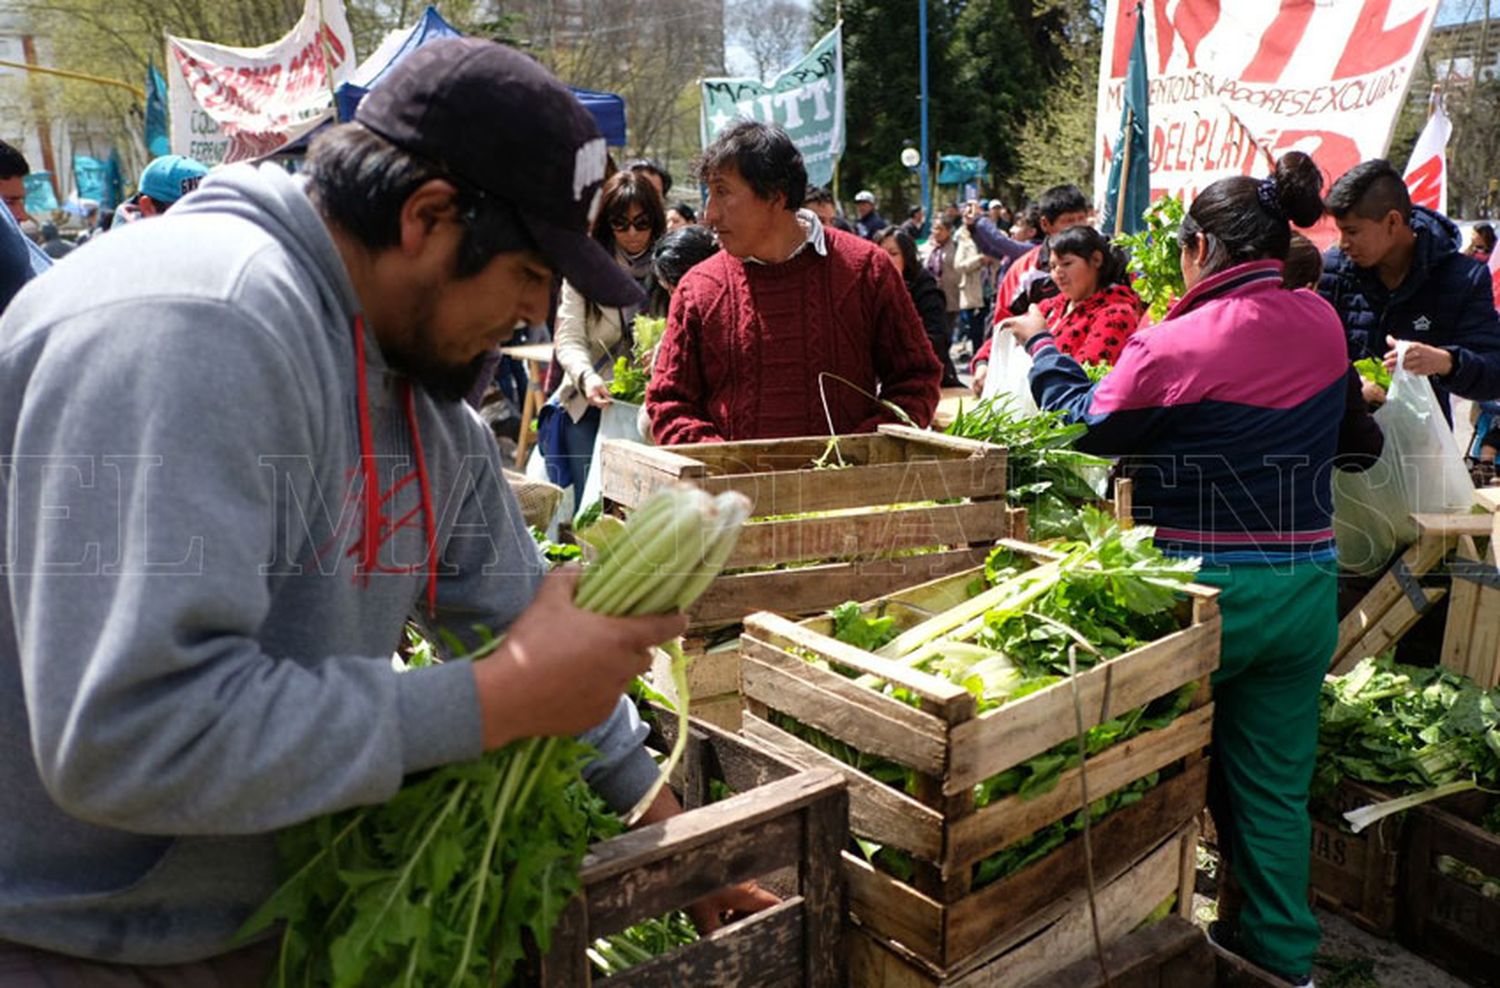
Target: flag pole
[{"x": 1124, "y": 170}]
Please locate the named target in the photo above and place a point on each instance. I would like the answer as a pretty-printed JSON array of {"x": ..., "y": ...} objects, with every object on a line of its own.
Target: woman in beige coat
[{"x": 589, "y": 337}]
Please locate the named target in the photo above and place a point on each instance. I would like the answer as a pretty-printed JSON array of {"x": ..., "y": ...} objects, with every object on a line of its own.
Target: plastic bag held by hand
[
  {"x": 1420, "y": 471},
  {"x": 1010, "y": 373}
]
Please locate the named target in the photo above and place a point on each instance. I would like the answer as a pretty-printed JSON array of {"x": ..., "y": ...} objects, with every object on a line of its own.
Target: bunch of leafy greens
[
  {"x": 453, "y": 874},
  {"x": 1096, "y": 372},
  {"x": 1111, "y": 593},
  {"x": 1407, "y": 728},
  {"x": 555, "y": 553},
  {"x": 633, "y": 372},
  {"x": 1373, "y": 370},
  {"x": 1156, "y": 258},
  {"x": 640, "y": 943},
  {"x": 1044, "y": 473}
]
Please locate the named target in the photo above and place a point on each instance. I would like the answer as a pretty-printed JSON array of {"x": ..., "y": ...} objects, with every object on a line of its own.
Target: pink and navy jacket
[{"x": 1225, "y": 415}]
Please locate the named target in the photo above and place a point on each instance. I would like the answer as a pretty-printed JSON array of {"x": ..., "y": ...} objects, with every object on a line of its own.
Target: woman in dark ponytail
[{"x": 1226, "y": 416}]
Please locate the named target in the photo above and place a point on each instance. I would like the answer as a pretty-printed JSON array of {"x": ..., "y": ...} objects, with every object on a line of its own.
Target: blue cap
[{"x": 171, "y": 177}]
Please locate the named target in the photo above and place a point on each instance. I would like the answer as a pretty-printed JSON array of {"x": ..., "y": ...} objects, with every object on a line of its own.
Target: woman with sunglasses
[{"x": 631, "y": 219}]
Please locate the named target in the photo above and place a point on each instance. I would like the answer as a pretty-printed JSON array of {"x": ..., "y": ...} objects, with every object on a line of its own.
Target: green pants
[{"x": 1280, "y": 629}]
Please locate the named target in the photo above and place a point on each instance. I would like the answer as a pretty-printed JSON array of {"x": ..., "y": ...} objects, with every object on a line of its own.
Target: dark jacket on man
[{"x": 1445, "y": 301}]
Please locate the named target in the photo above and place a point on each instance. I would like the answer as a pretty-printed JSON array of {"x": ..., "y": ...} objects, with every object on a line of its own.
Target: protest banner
[
  {"x": 1235, "y": 86},
  {"x": 806, "y": 100},
  {"x": 229, "y": 104}
]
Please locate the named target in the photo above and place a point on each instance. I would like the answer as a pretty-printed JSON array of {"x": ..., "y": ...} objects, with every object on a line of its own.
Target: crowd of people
[{"x": 272, "y": 350}]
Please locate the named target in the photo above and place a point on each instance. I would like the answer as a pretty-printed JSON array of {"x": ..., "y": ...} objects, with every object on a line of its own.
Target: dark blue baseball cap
[{"x": 500, "y": 122}]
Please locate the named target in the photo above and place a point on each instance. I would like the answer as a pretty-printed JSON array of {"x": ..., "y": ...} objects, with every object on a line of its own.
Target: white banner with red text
[
  {"x": 230, "y": 104},
  {"x": 1233, "y": 86}
]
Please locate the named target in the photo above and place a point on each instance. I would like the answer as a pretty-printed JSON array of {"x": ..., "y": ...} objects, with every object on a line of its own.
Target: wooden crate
[
  {"x": 1357, "y": 875},
  {"x": 1446, "y": 919},
  {"x": 784, "y": 828},
  {"x": 865, "y": 550},
  {"x": 938, "y": 917},
  {"x": 1170, "y": 954},
  {"x": 713, "y": 683},
  {"x": 1046, "y": 947}
]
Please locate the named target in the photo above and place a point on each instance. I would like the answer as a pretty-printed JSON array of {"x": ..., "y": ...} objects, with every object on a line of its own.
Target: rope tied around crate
[{"x": 1088, "y": 847}]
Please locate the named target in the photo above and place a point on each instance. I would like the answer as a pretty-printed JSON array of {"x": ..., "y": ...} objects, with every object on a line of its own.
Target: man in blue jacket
[{"x": 1397, "y": 274}]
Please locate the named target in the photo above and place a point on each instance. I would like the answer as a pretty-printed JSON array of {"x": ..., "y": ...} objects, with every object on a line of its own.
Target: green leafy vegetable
[
  {"x": 555, "y": 553},
  {"x": 1374, "y": 371},
  {"x": 632, "y": 373},
  {"x": 1044, "y": 474},
  {"x": 1155, "y": 256},
  {"x": 850, "y": 625}
]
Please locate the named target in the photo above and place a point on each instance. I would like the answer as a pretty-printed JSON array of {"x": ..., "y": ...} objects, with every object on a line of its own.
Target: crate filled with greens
[
  {"x": 967, "y": 711},
  {"x": 1423, "y": 748},
  {"x": 1393, "y": 739},
  {"x": 831, "y": 519},
  {"x": 751, "y": 815},
  {"x": 1451, "y": 897}
]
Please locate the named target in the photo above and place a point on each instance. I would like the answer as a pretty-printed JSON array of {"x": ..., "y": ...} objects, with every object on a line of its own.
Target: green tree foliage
[{"x": 994, "y": 73}]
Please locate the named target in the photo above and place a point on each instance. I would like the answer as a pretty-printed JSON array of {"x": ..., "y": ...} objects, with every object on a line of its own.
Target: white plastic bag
[
  {"x": 1420, "y": 471},
  {"x": 617, "y": 420},
  {"x": 1010, "y": 373}
]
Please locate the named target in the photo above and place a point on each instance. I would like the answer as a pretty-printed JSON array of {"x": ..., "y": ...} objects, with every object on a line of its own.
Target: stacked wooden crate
[
  {"x": 784, "y": 827},
  {"x": 937, "y": 929},
  {"x": 906, "y": 505},
  {"x": 1357, "y": 875}
]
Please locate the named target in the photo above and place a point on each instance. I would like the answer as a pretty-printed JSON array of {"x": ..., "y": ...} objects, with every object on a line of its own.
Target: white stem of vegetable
[{"x": 1364, "y": 816}]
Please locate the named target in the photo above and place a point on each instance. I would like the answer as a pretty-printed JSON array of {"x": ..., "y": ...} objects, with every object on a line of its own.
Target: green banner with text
[{"x": 806, "y": 101}]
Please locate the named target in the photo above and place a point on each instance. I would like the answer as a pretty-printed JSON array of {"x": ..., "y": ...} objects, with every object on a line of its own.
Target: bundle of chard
[{"x": 444, "y": 883}]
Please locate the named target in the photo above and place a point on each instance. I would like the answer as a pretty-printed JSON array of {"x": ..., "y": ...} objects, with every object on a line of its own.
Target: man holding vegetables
[
  {"x": 236, "y": 462},
  {"x": 1397, "y": 274}
]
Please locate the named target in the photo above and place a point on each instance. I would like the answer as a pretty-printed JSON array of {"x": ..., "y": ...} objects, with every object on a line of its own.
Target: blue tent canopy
[{"x": 607, "y": 109}]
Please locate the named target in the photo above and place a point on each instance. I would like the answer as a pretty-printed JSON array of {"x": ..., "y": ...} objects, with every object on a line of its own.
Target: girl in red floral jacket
[{"x": 1095, "y": 311}]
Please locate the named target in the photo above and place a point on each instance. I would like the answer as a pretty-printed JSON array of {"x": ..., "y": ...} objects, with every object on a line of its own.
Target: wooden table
[
  {"x": 947, "y": 409},
  {"x": 537, "y": 357},
  {"x": 1398, "y": 600}
]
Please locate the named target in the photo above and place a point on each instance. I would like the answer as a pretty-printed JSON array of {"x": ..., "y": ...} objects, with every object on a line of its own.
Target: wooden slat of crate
[
  {"x": 868, "y": 533},
  {"x": 1363, "y": 621},
  {"x": 777, "y": 475},
  {"x": 1357, "y": 875},
  {"x": 972, "y": 838},
  {"x": 877, "y": 812},
  {"x": 988, "y": 745},
  {"x": 1445, "y": 919},
  {"x": 841, "y": 708},
  {"x": 809, "y": 589},
  {"x": 997, "y": 914},
  {"x": 1065, "y": 939},
  {"x": 1170, "y": 954}
]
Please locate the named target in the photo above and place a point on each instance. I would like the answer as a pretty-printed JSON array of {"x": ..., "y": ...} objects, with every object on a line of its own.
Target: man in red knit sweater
[{"x": 788, "y": 312}]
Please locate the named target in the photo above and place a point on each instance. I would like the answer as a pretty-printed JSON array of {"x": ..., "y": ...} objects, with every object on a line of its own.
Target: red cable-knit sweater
[{"x": 745, "y": 343}]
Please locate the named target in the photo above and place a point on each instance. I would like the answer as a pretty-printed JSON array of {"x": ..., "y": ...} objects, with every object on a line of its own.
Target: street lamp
[{"x": 912, "y": 159}]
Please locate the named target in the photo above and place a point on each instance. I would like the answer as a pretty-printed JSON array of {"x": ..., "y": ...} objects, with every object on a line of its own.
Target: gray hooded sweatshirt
[{"x": 199, "y": 610}]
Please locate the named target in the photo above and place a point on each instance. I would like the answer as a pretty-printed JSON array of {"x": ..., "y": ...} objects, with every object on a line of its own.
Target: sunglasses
[{"x": 641, "y": 224}]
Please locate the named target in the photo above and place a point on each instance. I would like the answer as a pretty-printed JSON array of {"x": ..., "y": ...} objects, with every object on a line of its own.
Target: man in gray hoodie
[{"x": 235, "y": 463}]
